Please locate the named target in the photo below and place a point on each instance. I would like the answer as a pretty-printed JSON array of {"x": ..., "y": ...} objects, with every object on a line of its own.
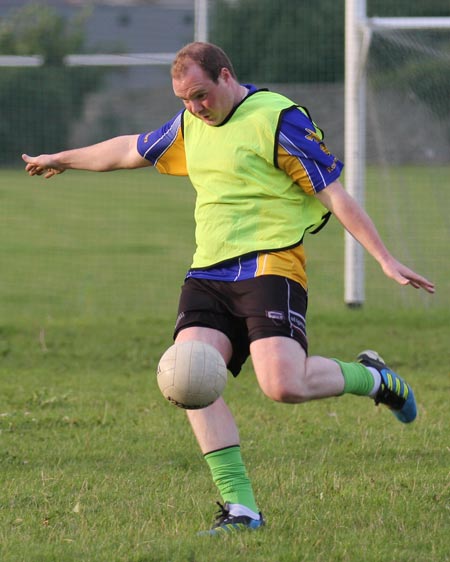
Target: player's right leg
[
  {"x": 218, "y": 437},
  {"x": 217, "y": 434}
]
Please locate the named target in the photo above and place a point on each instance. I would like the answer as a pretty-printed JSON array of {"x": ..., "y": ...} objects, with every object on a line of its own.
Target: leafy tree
[
  {"x": 299, "y": 40},
  {"x": 289, "y": 41},
  {"x": 37, "y": 29},
  {"x": 39, "y": 104}
]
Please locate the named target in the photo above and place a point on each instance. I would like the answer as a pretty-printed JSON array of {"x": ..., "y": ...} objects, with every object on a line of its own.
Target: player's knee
[{"x": 285, "y": 391}]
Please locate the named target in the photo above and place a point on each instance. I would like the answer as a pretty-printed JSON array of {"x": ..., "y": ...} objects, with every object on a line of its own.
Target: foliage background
[
  {"x": 40, "y": 104},
  {"x": 292, "y": 43},
  {"x": 269, "y": 42}
]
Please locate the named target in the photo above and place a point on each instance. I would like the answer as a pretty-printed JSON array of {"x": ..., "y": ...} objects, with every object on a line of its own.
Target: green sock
[
  {"x": 357, "y": 378},
  {"x": 229, "y": 475}
]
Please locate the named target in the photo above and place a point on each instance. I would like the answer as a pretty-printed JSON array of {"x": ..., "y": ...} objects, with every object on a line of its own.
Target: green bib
[{"x": 244, "y": 202}]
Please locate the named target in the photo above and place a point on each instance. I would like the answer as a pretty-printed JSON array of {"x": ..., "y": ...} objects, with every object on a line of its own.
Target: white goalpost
[
  {"x": 201, "y": 20},
  {"x": 358, "y": 32}
]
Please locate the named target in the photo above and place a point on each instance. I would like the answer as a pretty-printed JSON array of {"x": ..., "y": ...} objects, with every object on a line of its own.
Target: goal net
[{"x": 408, "y": 153}]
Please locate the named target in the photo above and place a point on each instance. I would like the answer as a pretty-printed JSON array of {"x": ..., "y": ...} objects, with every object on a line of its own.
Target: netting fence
[{"x": 120, "y": 243}]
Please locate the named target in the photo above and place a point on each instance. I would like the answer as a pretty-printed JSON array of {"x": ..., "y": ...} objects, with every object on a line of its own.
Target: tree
[
  {"x": 297, "y": 40},
  {"x": 289, "y": 41},
  {"x": 39, "y": 104}
]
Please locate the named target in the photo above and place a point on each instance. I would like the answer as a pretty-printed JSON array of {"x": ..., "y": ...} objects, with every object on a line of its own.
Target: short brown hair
[{"x": 207, "y": 56}]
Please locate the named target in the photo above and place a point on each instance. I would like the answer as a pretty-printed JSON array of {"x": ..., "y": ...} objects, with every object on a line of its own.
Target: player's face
[{"x": 209, "y": 101}]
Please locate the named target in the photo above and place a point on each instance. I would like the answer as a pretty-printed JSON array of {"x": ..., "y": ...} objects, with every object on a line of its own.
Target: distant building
[{"x": 127, "y": 25}]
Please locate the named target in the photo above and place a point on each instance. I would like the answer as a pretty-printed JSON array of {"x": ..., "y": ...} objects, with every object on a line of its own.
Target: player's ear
[{"x": 225, "y": 74}]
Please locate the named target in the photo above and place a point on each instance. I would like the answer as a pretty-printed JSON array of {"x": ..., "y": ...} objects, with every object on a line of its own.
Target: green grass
[{"x": 96, "y": 467}]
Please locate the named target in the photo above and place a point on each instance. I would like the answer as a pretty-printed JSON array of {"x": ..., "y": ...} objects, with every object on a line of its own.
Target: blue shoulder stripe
[{"x": 154, "y": 144}]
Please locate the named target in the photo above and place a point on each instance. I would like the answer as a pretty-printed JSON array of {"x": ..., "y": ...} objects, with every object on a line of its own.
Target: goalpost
[
  {"x": 201, "y": 20},
  {"x": 358, "y": 33}
]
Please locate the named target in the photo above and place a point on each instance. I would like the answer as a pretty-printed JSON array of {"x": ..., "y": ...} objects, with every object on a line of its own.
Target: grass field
[{"x": 96, "y": 467}]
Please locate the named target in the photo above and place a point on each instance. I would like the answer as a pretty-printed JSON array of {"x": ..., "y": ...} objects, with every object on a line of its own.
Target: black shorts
[{"x": 245, "y": 311}]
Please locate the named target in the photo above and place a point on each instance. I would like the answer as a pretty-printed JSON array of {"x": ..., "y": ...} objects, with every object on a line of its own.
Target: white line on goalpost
[
  {"x": 128, "y": 59},
  {"x": 358, "y": 32},
  {"x": 408, "y": 23}
]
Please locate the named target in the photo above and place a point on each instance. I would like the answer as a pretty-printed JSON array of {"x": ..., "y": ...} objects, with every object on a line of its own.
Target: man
[{"x": 263, "y": 178}]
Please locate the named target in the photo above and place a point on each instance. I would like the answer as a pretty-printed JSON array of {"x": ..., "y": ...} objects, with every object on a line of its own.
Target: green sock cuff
[
  {"x": 217, "y": 454},
  {"x": 357, "y": 378},
  {"x": 230, "y": 476}
]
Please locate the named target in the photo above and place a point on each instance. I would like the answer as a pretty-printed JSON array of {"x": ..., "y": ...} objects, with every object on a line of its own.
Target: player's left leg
[
  {"x": 277, "y": 330},
  {"x": 392, "y": 391},
  {"x": 286, "y": 374}
]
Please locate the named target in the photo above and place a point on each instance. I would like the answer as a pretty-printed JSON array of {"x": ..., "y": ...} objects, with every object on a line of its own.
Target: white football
[{"x": 192, "y": 374}]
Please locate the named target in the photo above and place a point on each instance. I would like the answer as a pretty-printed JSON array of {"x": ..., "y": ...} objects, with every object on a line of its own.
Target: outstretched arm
[
  {"x": 357, "y": 222},
  {"x": 113, "y": 154}
]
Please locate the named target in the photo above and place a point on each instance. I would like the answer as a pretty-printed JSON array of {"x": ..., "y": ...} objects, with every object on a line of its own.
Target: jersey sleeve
[
  {"x": 303, "y": 155},
  {"x": 164, "y": 147}
]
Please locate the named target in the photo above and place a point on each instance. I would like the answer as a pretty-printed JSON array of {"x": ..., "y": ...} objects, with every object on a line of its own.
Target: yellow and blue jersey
[{"x": 299, "y": 151}]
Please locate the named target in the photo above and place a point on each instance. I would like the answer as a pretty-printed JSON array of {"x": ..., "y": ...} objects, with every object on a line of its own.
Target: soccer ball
[{"x": 191, "y": 374}]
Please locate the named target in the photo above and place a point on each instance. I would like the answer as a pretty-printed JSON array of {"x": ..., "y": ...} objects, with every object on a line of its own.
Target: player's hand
[
  {"x": 45, "y": 165},
  {"x": 405, "y": 276}
]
